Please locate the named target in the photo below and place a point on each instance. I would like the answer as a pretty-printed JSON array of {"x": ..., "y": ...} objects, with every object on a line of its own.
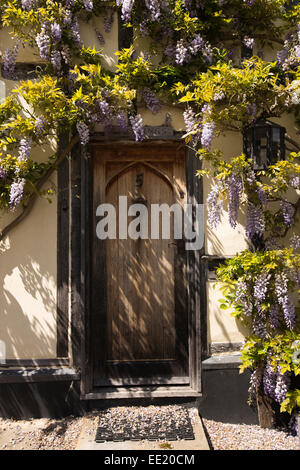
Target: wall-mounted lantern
[{"x": 264, "y": 143}]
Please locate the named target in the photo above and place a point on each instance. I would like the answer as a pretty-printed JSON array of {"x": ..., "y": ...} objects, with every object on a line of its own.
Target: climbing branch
[{"x": 29, "y": 204}]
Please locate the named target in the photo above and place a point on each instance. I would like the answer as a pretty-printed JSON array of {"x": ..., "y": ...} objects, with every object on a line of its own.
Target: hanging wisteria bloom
[
  {"x": 214, "y": 207},
  {"x": 235, "y": 189},
  {"x": 197, "y": 44},
  {"x": 9, "y": 62},
  {"x": 104, "y": 108},
  {"x": 154, "y": 8},
  {"x": 207, "y": 133},
  {"x": 16, "y": 192},
  {"x": 181, "y": 52},
  {"x": 274, "y": 316},
  {"x": 151, "y": 100},
  {"x": 40, "y": 126},
  {"x": 284, "y": 299},
  {"x": 259, "y": 326},
  {"x": 56, "y": 60},
  {"x": 261, "y": 287},
  {"x": 88, "y": 5},
  {"x": 28, "y": 4},
  {"x": 243, "y": 298},
  {"x": 269, "y": 380},
  {"x": 255, "y": 380},
  {"x": 255, "y": 224},
  {"x": 295, "y": 181},
  {"x": 3, "y": 173},
  {"x": 127, "y": 6},
  {"x": 249, "y": 42},
  {"x": 84, "y": 132},
  {"x": 287, "y": 212},
  {"x": 56, "y": 32},
  {"x": 24, "y": 149},
  {"x": 295, "y": 242},
  {"x": 282, "y": 386},
  {"x": 137, "y": 127},
  {"x": 43, "y": 42},
  {"x": 75, "y": 31},
  {"x": 192, "y": 125}
]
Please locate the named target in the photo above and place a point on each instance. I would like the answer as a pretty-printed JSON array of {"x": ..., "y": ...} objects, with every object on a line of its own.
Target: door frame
[{"x": 82, "y": 194}]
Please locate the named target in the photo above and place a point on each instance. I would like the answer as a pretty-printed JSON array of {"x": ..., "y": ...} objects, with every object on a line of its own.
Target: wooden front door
[{"x": 139, "y": 327}]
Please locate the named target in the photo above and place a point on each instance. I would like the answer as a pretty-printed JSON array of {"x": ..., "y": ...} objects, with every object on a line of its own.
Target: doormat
[{"x": 152, "y": 423}]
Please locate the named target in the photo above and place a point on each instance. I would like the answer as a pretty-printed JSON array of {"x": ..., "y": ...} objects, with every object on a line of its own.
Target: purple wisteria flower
[
  {"x": 259, "y": 326},
  {"x": 9, "y": 62},
  {"x": 137, "y": 127},
  {"x": 127, "y": 6},
  {"x": 40, "y": 126},
  {"x": 274, "y": 316},
  {"x": 197, "y": 44},
  {"x": 75, "y": 31},
  {"x": 56, "y": 32},
  {"x": 295, "y": 181},
  {"x": 3, "y": 173},
  {"x": 154, "y": 8},
  {"x": 88, "y": 5},
  {"x": 189, "y": 119},
  {"x": 243, "y": 298},
  {"x": 16, "y": 192},
  {"x": 192, "y": 124},
  {"x": 66, "y": 54},
  {"x": 104, "y": 108},
  {"x": 269, "y": 380},
  {"x": 287, "y": 212},
  {"x": 43, "y": 42},
  {"x": 84, "y": 132},
  {"x": 24, "y": 149},
  {"x": 261, "y": 285},
  {"x": 181, "y": 52},
  {"x": 151, "y": 100},
  {"x": 235, "y": 189},
  {"x": 284, "y": 299},
  {"x": 28, "y": 4},
  {"x": 207, "y": 133},
  {"x": 249, "y": 42},
  {"x": 295, "y": 242},
  {"x": 56, "y": 60},
  {"x": 214, "y": 207},
  {"x": 282, "y": 386},
  {"x": 255, "y": 380},
  {"x": 255, "y": 223},
  {"x": 282, "y": 56}
]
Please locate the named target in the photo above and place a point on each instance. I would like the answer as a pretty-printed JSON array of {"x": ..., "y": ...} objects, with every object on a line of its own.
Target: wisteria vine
[{"x": 192, "y": 61}]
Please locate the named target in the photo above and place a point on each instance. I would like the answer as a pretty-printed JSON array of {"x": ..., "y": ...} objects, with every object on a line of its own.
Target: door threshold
[{"x": 140, "y": 392}]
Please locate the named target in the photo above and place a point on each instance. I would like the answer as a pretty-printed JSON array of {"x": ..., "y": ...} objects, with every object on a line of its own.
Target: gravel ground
[
  {"x": 224, "y": 436},
  {"x": 63, "y": 434},
  {"x": 42, "y": 434}
]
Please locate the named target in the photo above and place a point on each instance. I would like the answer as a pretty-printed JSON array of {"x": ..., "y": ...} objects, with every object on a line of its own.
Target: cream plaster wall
[{"x": 28, "y": 269}]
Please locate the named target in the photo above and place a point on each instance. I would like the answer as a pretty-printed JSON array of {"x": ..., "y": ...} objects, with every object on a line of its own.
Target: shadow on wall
[
  {"x": 225, "y": 241},
  {"x": 28, "y": 304}
]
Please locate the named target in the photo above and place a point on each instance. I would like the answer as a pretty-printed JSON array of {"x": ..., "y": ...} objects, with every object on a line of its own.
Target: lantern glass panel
[{"x": 276, "y": 134}]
